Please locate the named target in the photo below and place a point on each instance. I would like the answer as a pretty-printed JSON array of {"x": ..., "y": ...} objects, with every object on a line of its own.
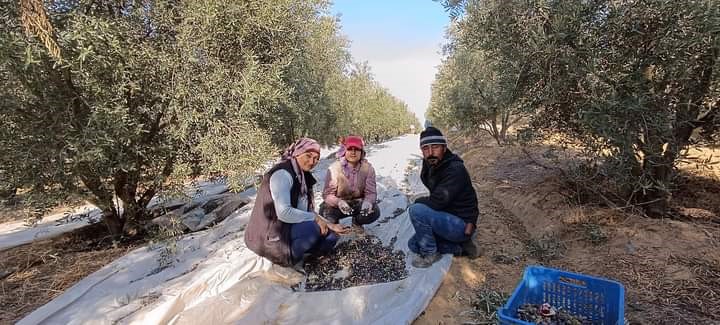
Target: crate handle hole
[{"x": 576, "y": 282}]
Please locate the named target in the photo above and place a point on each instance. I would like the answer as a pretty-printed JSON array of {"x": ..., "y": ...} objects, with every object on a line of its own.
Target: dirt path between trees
[{"x": 670, "y": 268}]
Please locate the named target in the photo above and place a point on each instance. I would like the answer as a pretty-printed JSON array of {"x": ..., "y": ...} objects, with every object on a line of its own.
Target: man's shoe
[
  {"x": 424, "y": 261},
  {"x": 470, "y": 250}
]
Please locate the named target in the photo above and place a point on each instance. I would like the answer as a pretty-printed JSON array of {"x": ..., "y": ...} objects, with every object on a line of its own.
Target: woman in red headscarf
[
  {"x": 283, "y": 226},
  {"x": 350, "y": 187}
]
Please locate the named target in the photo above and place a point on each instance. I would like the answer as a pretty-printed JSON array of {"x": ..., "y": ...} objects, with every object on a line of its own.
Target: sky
[{"x": 400, "y": 40}]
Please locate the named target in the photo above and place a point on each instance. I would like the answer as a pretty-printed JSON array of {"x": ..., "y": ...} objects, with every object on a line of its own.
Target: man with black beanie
[{"x": 444, "y": 221}]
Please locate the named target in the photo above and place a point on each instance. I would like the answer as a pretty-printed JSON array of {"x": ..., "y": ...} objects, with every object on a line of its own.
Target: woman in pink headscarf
[{"x": 283, "y": 226}]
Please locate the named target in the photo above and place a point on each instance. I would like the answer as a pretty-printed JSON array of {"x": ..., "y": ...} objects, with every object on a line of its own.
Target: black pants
[{"x": 334, "y": 215}]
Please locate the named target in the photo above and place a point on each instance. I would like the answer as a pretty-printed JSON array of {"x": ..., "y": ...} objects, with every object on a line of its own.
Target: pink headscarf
[{"x": 300, "y": 147}]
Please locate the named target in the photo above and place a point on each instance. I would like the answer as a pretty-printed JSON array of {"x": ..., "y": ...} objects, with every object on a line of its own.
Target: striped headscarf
[{"x": 300, "y": 147}]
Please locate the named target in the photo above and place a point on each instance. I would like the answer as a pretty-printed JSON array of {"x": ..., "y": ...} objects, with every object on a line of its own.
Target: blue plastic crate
[{"x": 601, "y": 301}]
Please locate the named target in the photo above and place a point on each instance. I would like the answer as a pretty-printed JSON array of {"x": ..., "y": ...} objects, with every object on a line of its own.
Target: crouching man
[{"x": 444, "y": 221}]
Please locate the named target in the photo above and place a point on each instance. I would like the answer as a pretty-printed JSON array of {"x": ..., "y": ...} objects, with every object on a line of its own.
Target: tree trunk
[
  {"x": 114, "y": 222},
  {"x": 103, "y": 199},
  {"x": 133, "y": 212},
  {"x": 504, "y": 128},
  {"x": 126, "y": 223},
  {"x": 659, "y": 169},
  {"x": 126, "y": 186},
  {"x": 493, "y": 127},
  {"x": 656, "y": 200},
  {"x": 492, "y": 131},
  {"x": 660, "y": 165}
]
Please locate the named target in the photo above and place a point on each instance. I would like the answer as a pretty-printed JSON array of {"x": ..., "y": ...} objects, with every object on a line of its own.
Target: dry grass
[
  {"x": 656, "y": 296},
  {"x": 43, "y": 270}
]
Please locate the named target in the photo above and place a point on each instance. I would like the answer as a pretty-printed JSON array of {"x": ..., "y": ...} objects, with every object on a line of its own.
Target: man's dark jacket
[
  {"x": 265, "y": 234},
  {"x": 450, "y": 188}
]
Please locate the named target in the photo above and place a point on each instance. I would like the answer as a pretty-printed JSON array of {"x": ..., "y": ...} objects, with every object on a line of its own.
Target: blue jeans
[
  {"x": 435, "y": 231},
  {"x": 305, "y": 237}
]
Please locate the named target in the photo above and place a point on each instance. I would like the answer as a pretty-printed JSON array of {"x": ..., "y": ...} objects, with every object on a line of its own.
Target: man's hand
[
  {"x": 338, "y": 228},
  {"x": 344, "y": 207},
  {"x": 323, "y": 225},
  {"x": 367, "y": 207},
  {"x": 469, "y": 227}
]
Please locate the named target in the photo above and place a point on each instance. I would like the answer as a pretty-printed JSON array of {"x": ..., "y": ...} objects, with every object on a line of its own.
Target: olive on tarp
[{"x": 359, "y": 261}]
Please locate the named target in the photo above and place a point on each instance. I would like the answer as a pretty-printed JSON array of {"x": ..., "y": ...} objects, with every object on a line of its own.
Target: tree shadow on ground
[{"x": 697, "y": 191}]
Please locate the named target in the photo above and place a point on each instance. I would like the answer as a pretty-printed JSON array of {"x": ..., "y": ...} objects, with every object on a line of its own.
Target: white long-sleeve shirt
[{"x": 280, "y": 185}]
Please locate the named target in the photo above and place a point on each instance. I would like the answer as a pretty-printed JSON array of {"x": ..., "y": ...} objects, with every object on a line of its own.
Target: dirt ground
[
  {"x": 31, "y": 275},
  {"x": 670, "y": 268}
]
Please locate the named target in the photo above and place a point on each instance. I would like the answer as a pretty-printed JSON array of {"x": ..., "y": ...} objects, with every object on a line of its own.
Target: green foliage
[
  {"x": 546, "y": 247},
  {"x": 453, "y": 7},
  {"x": 645, "y": 81},
  {"x": 150, "y": 93},
  {"x": 594, "y": 233},
  {"x": 487, "y": 302},
  {"x": 485, "y": 77},
  {"x": 370, "y": 110},
  {"x": 635, "y": 82}
]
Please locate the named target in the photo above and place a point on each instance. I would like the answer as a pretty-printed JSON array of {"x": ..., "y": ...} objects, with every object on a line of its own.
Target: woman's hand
[
  {"x": 367, "y": 207},
  {"x": 323, "y": 225},
  {"x": 338, "y": 228},
  {"x": 344, "y": 207}
]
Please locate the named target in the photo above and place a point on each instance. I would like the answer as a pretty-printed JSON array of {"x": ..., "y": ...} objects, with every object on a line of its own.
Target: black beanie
[{"x": 432, "y": 135}]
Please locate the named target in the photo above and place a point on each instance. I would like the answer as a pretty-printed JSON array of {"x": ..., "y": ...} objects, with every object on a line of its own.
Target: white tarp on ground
[
  {"x": 17, "y": 233},
  {"x": 215, "y": 279}
]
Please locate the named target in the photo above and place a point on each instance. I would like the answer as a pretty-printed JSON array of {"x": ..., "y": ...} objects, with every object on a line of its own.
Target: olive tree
[
  {"x": 634, "y": 82},
  {"x": 143, "y": 93}
]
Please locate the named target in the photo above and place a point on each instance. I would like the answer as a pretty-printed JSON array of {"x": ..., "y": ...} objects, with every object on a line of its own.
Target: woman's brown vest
[
  {"x": 344, "y": 191},
  {"x": 265, "y": 234}
]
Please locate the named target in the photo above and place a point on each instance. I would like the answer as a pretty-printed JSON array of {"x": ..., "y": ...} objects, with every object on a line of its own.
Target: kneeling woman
[
  {"x": 350, "y": 188},
  {"x": 283, "y": 226}
]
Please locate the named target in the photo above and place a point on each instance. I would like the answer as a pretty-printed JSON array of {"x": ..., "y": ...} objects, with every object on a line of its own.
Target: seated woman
[
  {"x": 350, "y": 188},
  {"x": 283, "y": 227}
]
